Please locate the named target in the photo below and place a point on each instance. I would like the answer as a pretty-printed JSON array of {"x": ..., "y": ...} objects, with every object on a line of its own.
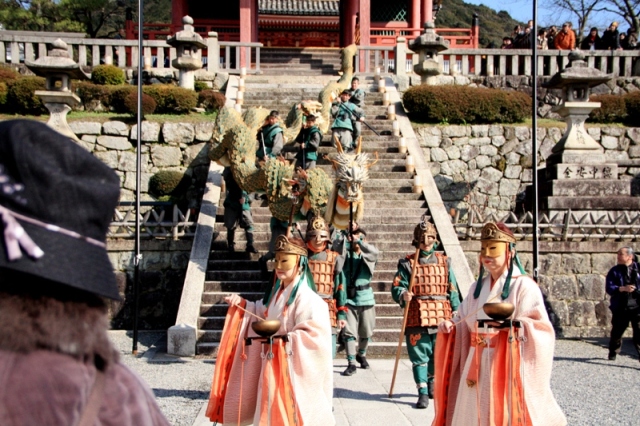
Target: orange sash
[
  {"x": 499, "y": 414},
  {"x": 277, "y": 390},
  {"x": 479, "y": 341},
  {"x": 443, "y": 365},
  {"x": 224, "y": 362}
]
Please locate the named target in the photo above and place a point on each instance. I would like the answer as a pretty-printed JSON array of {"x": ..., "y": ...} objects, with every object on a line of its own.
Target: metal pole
[
  {"x": 138, "y": 255},
  {"x": 534, "y": 140}
]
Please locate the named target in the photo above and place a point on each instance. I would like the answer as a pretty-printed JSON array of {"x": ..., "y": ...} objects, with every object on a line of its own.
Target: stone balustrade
[{"x": 17, "y": 46}]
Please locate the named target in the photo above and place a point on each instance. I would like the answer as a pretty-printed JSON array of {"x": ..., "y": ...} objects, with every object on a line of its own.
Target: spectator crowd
[{"x": 566, "y": 38}]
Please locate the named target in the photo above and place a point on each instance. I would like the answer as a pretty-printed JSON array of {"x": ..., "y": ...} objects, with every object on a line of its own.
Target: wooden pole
[{"x": 416, "y": 258}]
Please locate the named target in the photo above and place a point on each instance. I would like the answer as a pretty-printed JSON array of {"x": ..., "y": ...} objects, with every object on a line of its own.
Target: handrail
[{"x": 154, "y": 223}]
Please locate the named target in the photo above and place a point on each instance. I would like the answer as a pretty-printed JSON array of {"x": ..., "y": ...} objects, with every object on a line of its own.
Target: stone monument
[
  {"x": 428, "y": 45},
  {"x": 58, "y": 68},
  {"x": 577, "y": 175},
  {"x": 189, "y": 45}
]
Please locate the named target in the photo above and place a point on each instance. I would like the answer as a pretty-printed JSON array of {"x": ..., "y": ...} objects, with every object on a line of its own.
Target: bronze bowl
[
  {"x": 498, "y": 311},
  {"x": 266, "y": 328}
]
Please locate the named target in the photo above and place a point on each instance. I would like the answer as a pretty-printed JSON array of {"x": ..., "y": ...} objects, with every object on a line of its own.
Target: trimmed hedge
[
  {"x": 22, "y": 98},
  {"x": 7, "y": 74},
  {"x": 612, "y": 109},
  {"x": 632, "y": 102},
  {"x": 131, "y": 104},
  {"x": 466, "y": 105},
  {"x": 89, "y": 92},
  {"x": 168, "y": 183},
  {"x": 109, "y": 75},
  {"x": 172, "y": 99},
  {"x": 118, "y": 96},
  {"x": 199, "y": 86},
  {"x": 211, "y": 100}
]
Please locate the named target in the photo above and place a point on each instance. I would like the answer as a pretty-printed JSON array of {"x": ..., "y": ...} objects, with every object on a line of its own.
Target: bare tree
[
  {"x": 581, "y": 9},
  {"x": 629, "y": 11}
]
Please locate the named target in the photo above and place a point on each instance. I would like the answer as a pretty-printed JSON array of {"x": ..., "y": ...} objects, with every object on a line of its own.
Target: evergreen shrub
[
  {"x": 89, "y": 92},
  {"x": 612, "y": 109},
  {"x": 199, "y": 86},
  {"x": 131, "y": 104},
  {"x": 22, "y": 98},
  {"x": 109, "y": 75},
  {"x": 632, "y": 103},
  {"x": 7, "y": 74},
  {"x": 167, "y": 184},
  {"x": 118, "y": 96},
  {"x": 466, "y": 105},
  {"x": 211, "y": 100},
  {"x": 3, "y": 95},
  {"x": 172, "y": 99}
]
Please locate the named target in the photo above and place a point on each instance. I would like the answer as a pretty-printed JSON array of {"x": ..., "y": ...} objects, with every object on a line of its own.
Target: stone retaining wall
[
  {"x": 168, "y": 146},
  {"x": 488, "y": 166}
]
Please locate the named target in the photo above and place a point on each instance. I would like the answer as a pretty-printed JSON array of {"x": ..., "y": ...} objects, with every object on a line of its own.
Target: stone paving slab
[{"x": 363, "y": 399}]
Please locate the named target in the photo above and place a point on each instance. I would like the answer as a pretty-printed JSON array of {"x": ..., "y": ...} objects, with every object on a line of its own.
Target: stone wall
[
  {"x": 487, "y": 167},
  {"x": 168, "y": 146},
  {"x": 572, "y": 280},
  {"x": 547, "y": 98}
]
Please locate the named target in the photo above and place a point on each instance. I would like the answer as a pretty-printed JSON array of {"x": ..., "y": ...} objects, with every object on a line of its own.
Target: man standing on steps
[
  {"x": 322, "y": 264},
  {"x": 309, "y": 139},
  {"x": 432, "y": 299},
  {"x": 357, "y": 98},
  {"x": 237, "y": 211},
  {"x": 270, "y": 138},
  {"x": 343, "y": 112},
  {"x": 354, "y": 280}
]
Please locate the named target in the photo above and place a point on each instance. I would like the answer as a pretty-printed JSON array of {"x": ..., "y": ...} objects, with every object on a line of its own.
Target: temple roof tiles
[{"x": 299, "y": 7}]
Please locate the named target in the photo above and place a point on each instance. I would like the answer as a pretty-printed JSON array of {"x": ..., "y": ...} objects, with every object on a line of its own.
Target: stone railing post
[
  {"x": 213, "y": 52},
  {"x": 401, "y": 56}
]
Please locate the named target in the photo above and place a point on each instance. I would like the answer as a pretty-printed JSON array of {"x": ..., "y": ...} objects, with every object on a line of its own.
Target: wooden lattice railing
[
  {"x": 157, "y": 220},
  {"x": 560, "y": 226}
]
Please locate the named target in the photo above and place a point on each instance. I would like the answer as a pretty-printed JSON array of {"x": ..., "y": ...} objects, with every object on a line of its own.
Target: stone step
[
  {"x": 397, "y": 229},
  {"x": 217, "y": 297},
  {"x": 219, "y": 281},
  {"x": 217, "y": 322},
  {"x": 262, "y": 245}
]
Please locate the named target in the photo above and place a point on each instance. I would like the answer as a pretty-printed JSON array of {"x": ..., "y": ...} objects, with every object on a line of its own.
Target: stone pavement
[{"x": 363, "y": 399}]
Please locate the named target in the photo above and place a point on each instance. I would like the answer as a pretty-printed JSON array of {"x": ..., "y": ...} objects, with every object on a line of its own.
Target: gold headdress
[
  {"x": 491, "y": 232},
  {"x": 290, "y": 246}
]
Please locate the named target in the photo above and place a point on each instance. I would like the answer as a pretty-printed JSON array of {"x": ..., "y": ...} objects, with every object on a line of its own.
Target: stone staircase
[
  {"x": 296, "y": 61},
  {"x": 391, "y": 212}
]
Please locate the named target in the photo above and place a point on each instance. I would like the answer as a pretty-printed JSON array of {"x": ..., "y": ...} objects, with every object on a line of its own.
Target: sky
[{"x": 522, "y": 10}]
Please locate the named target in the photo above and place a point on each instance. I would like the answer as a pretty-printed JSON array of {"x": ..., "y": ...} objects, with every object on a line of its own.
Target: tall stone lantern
[
  {"x": 189, "y": 45},
  {"x": 428, "y": 45},
  {"x": 578, "y": 176},
  {"x": 58, "y": 68}
]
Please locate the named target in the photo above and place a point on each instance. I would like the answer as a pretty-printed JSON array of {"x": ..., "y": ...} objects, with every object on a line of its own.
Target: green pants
[{"x": 421, "y": 347}]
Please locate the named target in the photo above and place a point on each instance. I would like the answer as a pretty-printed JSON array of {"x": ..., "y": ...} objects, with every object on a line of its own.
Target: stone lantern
[
  {"x": 428, "y": 45},
  {"x": 577, "y": 174},
  {"x": 58, "y": 68},
  {"x": 189, "y": 45}
]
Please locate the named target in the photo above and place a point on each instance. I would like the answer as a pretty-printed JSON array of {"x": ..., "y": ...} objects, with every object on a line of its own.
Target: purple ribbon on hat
[{"x": 15, "y": 237}]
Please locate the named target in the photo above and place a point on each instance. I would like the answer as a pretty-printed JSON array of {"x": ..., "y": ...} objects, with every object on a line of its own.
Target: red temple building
[{"x": 311, "y": 23}]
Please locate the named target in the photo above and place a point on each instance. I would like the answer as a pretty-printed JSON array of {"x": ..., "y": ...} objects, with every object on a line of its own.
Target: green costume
[
  {"x": 355, "y": 296},
  {"x": 311, "y": 138},
  {"x": 237, "y": 213},
  {"x": 273, "y": 141},
  {"x": 342, "y": 127},
  {"x": 421, "y": 339}
]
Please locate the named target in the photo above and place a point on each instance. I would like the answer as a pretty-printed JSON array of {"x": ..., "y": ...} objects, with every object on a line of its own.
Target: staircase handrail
[
  {"x": 437, "y": 210},
  {"x": 182, "y": 337}
]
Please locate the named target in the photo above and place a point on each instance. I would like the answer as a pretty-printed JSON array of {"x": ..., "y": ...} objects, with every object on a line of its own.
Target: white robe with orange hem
[
  {"x": 471, "y": 405},
  {"x": 306, "y": 322}
]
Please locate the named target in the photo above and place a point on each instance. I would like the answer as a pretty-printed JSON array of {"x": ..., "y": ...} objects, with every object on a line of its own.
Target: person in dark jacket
[
  {"x": 592, "y": 41},
  {"x": 309, "y": 140},
  {"x": 611, "y": 38},
  {"x": 622, "y": 286},
  {"x": 57, "y": 364},
  {"x": 237, "y": 212}
]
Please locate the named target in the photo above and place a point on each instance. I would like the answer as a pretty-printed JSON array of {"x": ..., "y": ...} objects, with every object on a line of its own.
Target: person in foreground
[
  {"x": 286, "y": 383},
  {"x": 494, "y": 375},
  {"x": 57, "y": 365}
]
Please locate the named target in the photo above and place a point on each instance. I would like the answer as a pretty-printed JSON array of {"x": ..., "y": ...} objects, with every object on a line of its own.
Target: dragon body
[{"x": 234, "y": 144}]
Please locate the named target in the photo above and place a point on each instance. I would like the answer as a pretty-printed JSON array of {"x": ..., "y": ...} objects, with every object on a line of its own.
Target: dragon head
[{"x": 351, "y": 171}]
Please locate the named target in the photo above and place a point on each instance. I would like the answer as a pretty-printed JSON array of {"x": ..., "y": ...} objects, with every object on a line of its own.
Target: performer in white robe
[
  {"x": 296, "y": 385},
  {"x": 474, "y": 365}
]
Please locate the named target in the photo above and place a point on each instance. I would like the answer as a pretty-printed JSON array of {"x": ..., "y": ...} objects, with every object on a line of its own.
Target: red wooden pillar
[
  {"x": 348, "y": 23},
  {"x": 246, "y": 28},
  {"x": 415, "y": 18},
  {"x": 364, "y": 17},
  {"x": 427, "y": 12},
  {"x": 178, "y": 11},
  {"x": 254, "y": 27}
]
